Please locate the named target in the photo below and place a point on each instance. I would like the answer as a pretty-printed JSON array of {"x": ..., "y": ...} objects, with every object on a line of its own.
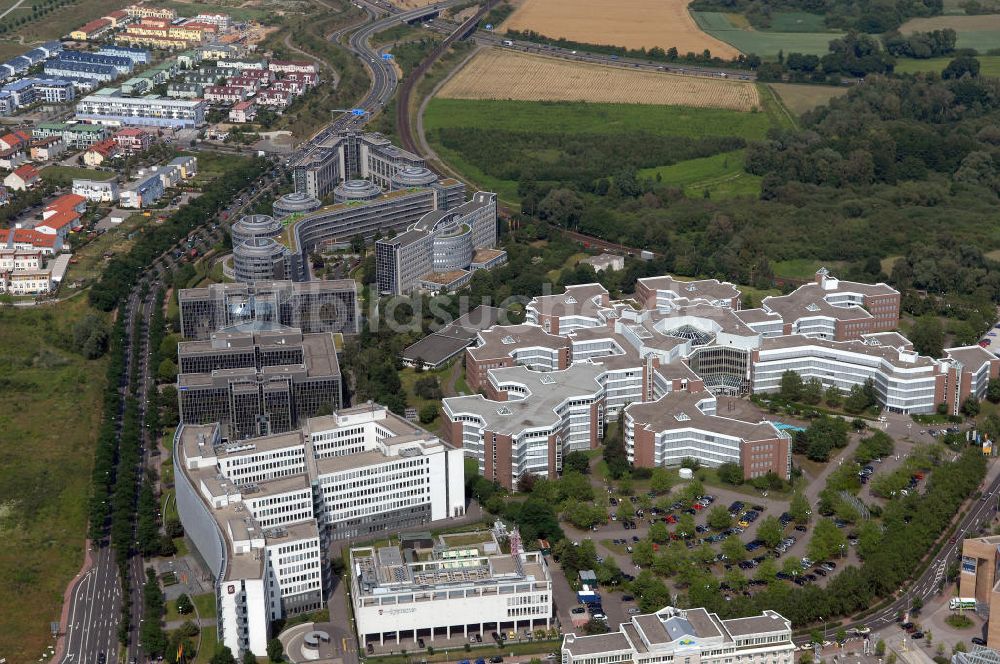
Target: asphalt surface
[{"x": 95, "y": 603}]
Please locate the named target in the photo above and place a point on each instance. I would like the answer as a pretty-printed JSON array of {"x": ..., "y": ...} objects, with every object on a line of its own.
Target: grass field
[
  {"x": 205, "y": 603},
  {"x": 50, "y": 405},
  {"x": 503, "y": 74},
  {"x": 194, "y": 8},
  {"x": 629, "y": 23},
  {"x": 721, "y": 175},
  {"x": 582, "y": 118},
  {"x": 990, "y": 65},
  {"x": 979, "y": 32},
  {"x": 766, "y": 44},
  {"x": 801, "y": 98},
  {"x": 65, "y": 174},
  {"x": 61, "y": 21},
  {"x": 796, "y": 22},
  {"x": 90, "y": 259}
]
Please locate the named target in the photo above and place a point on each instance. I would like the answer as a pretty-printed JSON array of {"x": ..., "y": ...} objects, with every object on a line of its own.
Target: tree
[
  {"x": 222, "y": 655},
  {"x": 791, "y": 567},
  {"x": 827, "y": 540},
  {"x": 658, "y": 533},
  {"x": 626, "y": 510},
  {"x": 167, "y": 371},
  {"x": 275, "y": 651},
  {"x": 661, "y": 480},
  {"x": 733, "y": 549},
  {"x": 767, "y": 571},
  {"x": 833, "y": 397},
  {"x": 970, "y": 407},
  {"x": 90, "y": 336},
  {"x": 719, "y": 518},
  {"x": 184, "y": 605},
  {"x": 428, "y": 413},
  {"x": 686, "y": 525},
  {"x": 562, "y": 207},
  {"x": 731, "y": 473},
  {"x": 770, "y": 531},
  {"x": 812, "y": 392},
  {"x": 799, "y": 508},
  {"x": 595, "y": 626},
  {"x": 791, "y": 385},
  {"x": 249, "y": 657},
  {"x": 960, "y": 66},
  {"x": 993, "y": 390},
  {"x": 577, "y": 462},
  {"x": 927, "y": 336}
]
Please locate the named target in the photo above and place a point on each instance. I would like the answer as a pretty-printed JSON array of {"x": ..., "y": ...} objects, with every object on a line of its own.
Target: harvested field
[
  {"x": 503, "y": 74},
  {"x": 978, "y": 32},
  {"x": 629, "y": 23},
  {"x": 801, "y": 98}
]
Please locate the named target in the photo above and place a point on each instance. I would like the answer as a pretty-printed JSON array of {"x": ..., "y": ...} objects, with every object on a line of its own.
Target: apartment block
[{"x": 111, "y": 108}]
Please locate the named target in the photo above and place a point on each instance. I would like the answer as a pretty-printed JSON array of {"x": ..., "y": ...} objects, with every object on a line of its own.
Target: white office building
[
  {"x": 445, "y": 590},
  {"x": 686, "y": 636},
  {"x": 263, "y": 511}
]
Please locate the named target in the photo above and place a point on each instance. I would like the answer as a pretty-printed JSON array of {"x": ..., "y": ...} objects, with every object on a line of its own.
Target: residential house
[
  {"x": 12, "y": 158},
  {"x": 98, "y": 153},
  {"x": 224, "y": 94},
  {"x": 143, "y": 192},
  {"x": 14, "y": 139},
  {"x": 91, "y": 30},
  {"x": 45, "y": 149},
  {"x": 292, "y": 66},
  {"x": 97, "y": 191},
  {"x": 276, "y": 98},
  {"x": 29, "y": 238},
  {"x": 132, "y": 140},
  {"x": 244, "y": 111},
  {"x": 21, "y": 178}
]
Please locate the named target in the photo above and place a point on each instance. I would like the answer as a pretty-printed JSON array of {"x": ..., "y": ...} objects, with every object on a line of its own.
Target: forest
[{"x": 905, "y": 169}]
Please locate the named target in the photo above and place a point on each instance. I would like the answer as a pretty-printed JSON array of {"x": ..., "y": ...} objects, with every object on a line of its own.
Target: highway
[{"x": 95, "y": 603}]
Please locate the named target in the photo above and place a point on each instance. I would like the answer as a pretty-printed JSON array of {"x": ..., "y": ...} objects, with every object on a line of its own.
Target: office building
[
  {"x": 656, "y": 292},
  {"x": 315, "y": 306},
  {"x": 258, "y": 379},
  {"x": 684, "y": 424},
  {"x": 110, "y": 107},
  {"x": 446, "y": 590},
  {"x": 295, "y": 203},
  {"x": 978, "y": 579},
  {"x": 439, "y": 251},
  {"x": 837, "y": 310},
  {"x": 350, "y": 155},
  {"x": 528, "y": 421},
  {"x": 391, "y": 212},
  {"x": 264, "y": 259},
  {"x": 263, "y": 512},
  {"x": 687, "y": 635}
]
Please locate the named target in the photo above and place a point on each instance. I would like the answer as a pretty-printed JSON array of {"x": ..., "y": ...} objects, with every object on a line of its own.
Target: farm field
[
  {"x": 721, "y": 175},
  {"x": 794, "y": 22},
  {"x": 240, "y": 13},
  {"x": 979, "y": 32},
  {"x": 990, "y": 65},
  {"x": 629, "y": 23},
  {"x": 801, "y": 98},
  {"x": 61, "y": 21},
  {"x": 50, "y": 406},
  {"x": 766, "y": 44},
  {"x": 504, "y": 74}
]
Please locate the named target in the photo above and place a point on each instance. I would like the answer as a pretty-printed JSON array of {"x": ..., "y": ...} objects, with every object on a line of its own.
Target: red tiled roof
[
  {"x": 131, "y": 131},
  {"x": 104, "y": 148},
  {"x": 33, "y": 237},
  {"x": 94, "y": 26},
  {"x": 60, "y": 219},
  {"x": 26, "y": 172},
  {"x": 66, "y": 202}
]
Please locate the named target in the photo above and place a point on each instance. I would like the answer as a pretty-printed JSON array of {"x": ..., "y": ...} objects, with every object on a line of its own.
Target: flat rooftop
[{"x": 679, "y": 410}]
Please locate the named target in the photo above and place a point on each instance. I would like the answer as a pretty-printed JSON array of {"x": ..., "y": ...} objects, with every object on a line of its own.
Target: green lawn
[
  {"x": 63, "y": 175},
  {"x": 722, "y": 175},
  {"x": 50, "y": 406},
  {"x": 205, "y": 604},
  {"x": 207, "y": 649},
  {"x": 981, "y": 32},
  {"x": 796, "y": 22},
  {"x": 990, "y": 65},
  {"x": 766, "y": 44}
]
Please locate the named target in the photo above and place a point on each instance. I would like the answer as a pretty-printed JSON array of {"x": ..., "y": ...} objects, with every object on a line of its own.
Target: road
[
  {"x": 979, "y": 513},
  {"x": 95, "y": 602}
]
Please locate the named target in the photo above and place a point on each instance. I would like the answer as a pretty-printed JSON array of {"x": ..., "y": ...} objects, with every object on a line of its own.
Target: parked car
[{"x": 978, "y": 640}]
